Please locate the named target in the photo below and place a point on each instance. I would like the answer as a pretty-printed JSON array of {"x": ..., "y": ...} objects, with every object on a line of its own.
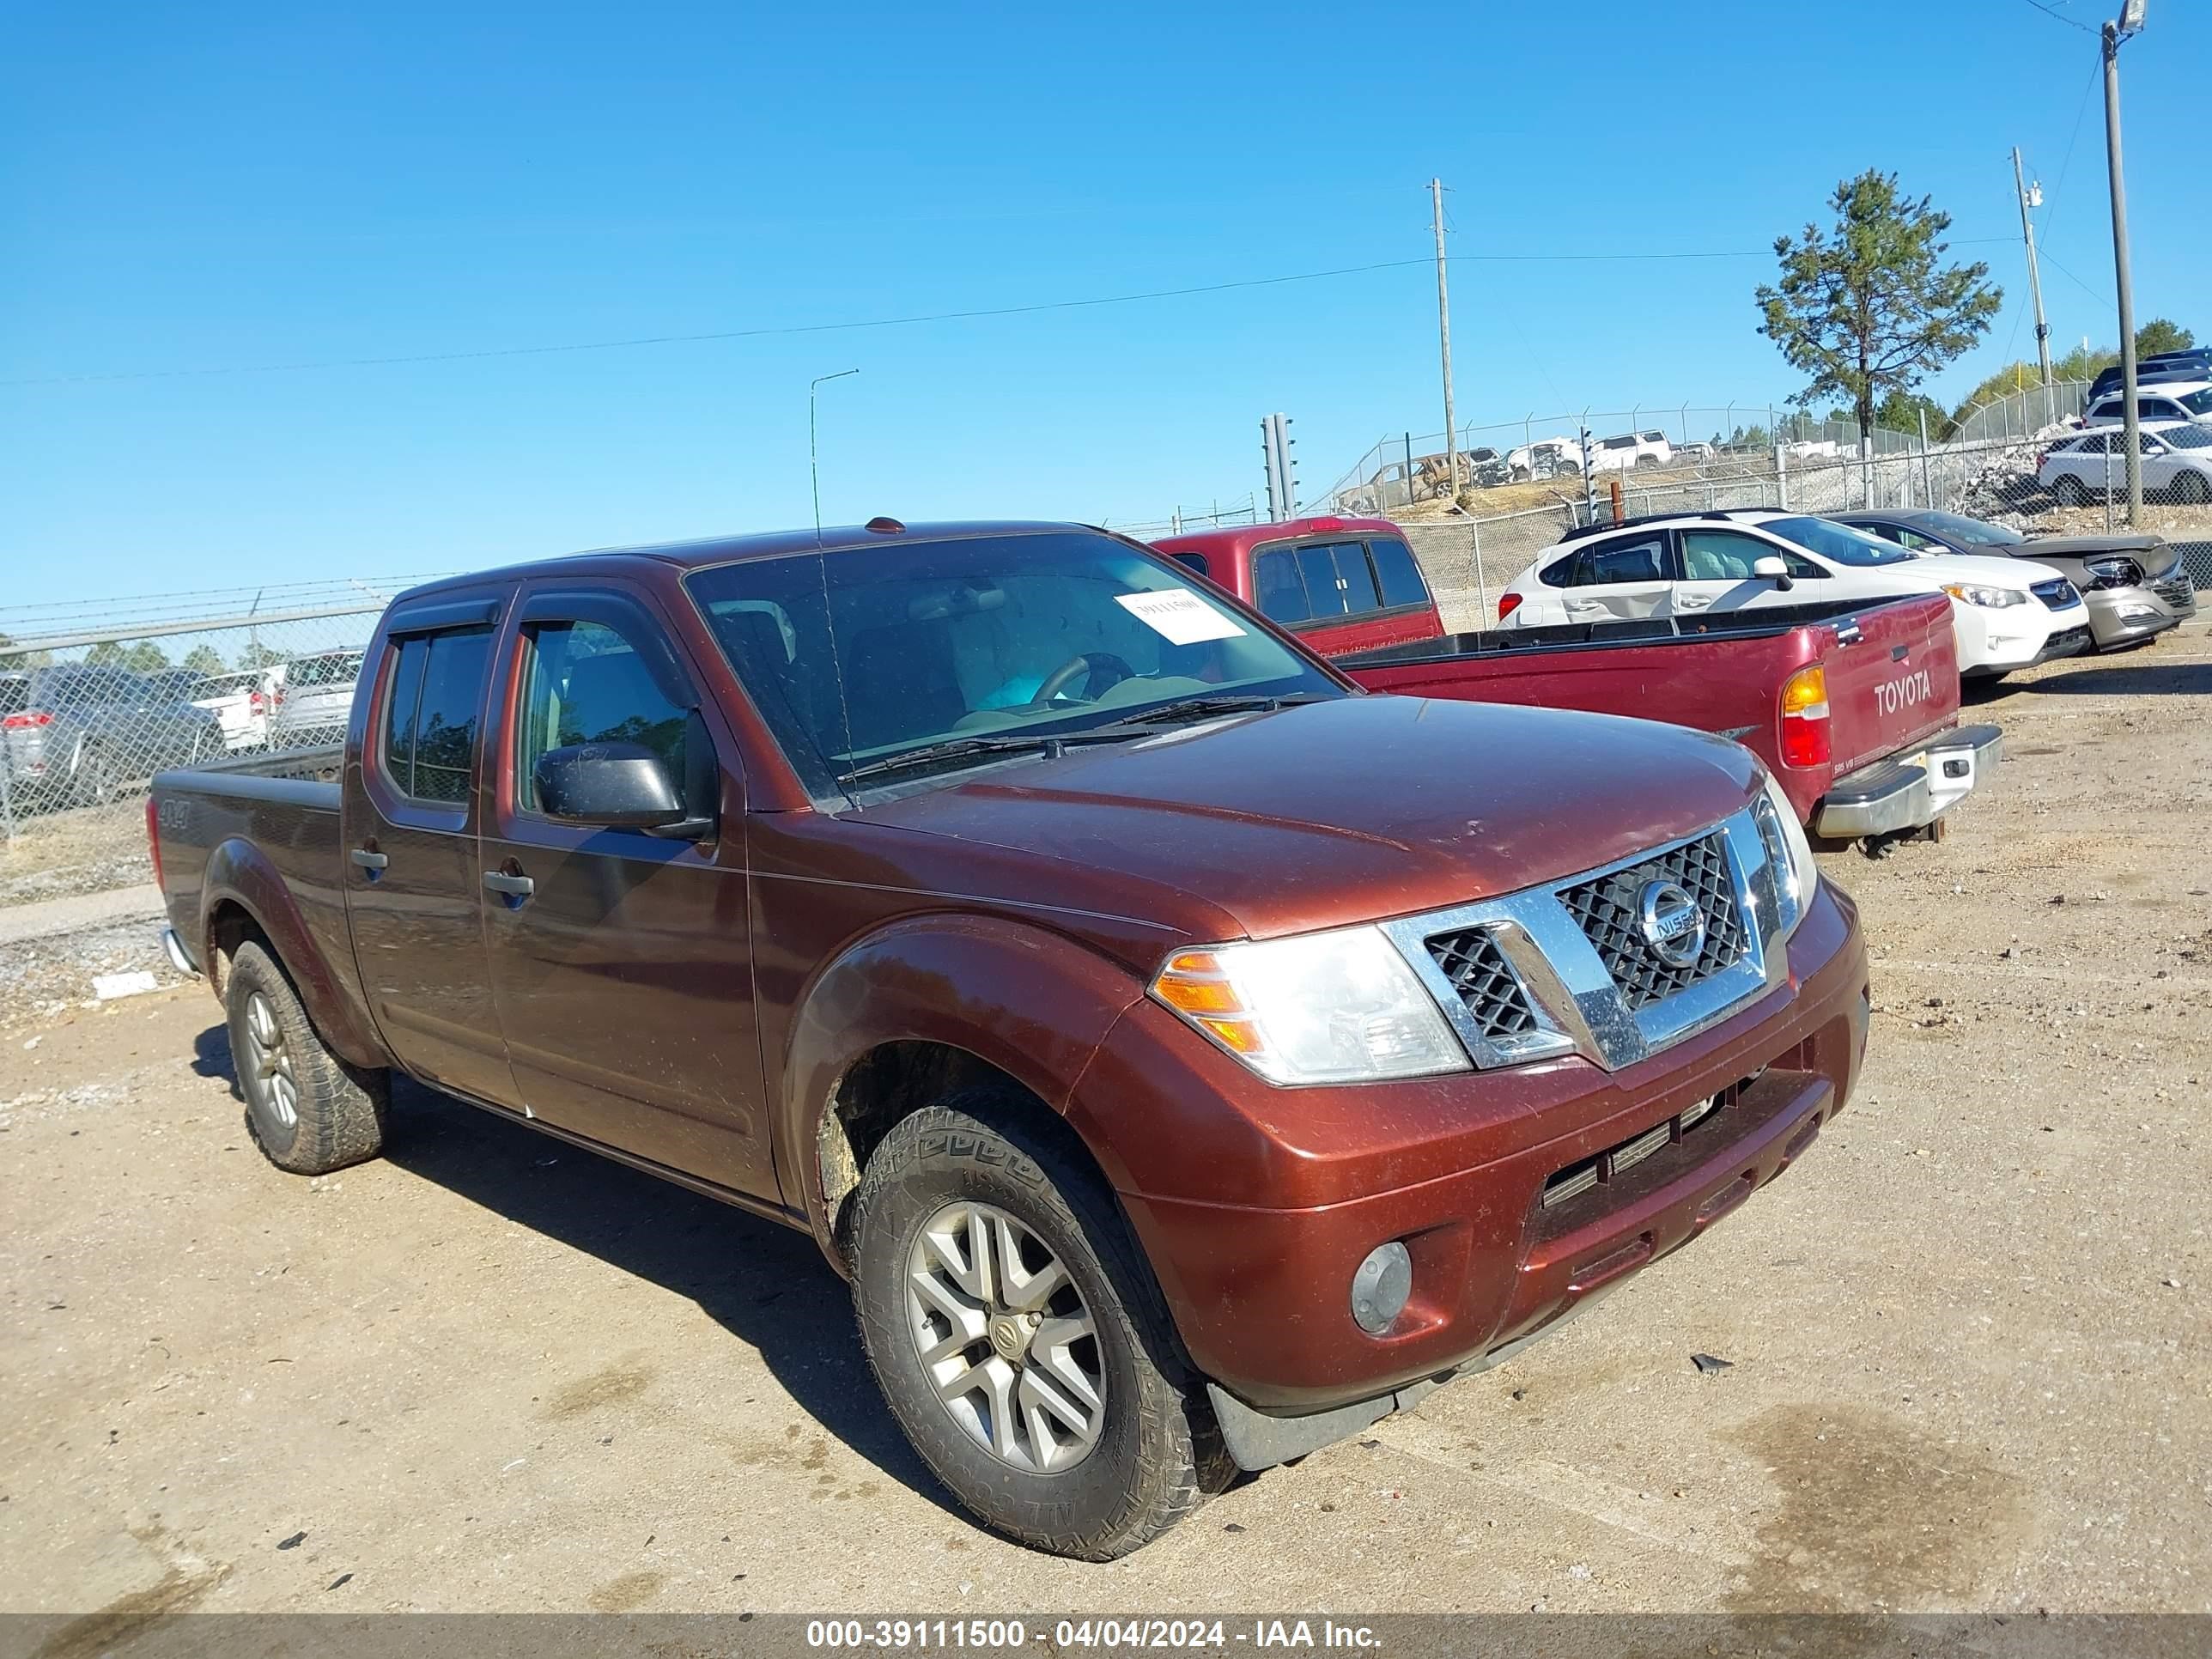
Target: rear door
[
  {"x": 414, "y": 881},
  {"x": 1895, "y": 685},
  {"x": 622, "y": 963},
  {"x": 1622, "y": 578}
]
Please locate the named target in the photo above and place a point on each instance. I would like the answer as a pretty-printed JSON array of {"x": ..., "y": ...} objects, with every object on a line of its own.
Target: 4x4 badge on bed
[{"x": 1673, "y": 926}]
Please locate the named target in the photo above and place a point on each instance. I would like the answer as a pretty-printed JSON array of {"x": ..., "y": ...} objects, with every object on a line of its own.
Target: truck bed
[
  {"x": 1891, "y": 668},
  {"x": 271, "y": 821}
]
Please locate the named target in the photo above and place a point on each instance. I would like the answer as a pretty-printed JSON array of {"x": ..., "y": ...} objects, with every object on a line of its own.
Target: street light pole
[
  {"x": 813, "y": 449},
  {"x": 1444, "y": 343},
  {"x": 2129, "y": 23}
]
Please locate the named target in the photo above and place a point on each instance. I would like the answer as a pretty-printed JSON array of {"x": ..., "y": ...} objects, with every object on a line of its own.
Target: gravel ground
[
  {"x": 86, "y": 849},
  {"x": 1968, "y": 1332}
]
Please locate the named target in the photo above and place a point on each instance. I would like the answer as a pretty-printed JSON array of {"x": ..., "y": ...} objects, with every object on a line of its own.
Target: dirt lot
[{"x": 1969, "y": 1333}]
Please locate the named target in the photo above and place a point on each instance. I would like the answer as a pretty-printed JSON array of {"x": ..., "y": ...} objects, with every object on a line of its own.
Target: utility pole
[
  {"x": 2129, "y": 23},
  {"x": 2035, "y": 276},
  {"x": 1444, "y": 343}
]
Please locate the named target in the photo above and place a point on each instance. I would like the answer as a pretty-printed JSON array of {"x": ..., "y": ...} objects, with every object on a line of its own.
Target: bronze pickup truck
[{"x": 1187, "y": 1057}]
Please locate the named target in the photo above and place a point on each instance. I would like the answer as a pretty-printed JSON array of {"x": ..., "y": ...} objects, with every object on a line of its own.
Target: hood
[
  {"x": 1990, "y": 572},
  {"x": 1352, "y": 809},
  {"x": 2153, "y": 553}
]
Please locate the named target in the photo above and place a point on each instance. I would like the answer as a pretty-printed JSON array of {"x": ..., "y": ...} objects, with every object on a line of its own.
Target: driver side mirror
[
  {"x": 615, "y": 786},
  {"x": 1772, "y": 569}
]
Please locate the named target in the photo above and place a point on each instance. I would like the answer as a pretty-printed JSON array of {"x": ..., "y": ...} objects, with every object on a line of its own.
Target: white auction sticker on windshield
[{"x": 1180, "y": 616}]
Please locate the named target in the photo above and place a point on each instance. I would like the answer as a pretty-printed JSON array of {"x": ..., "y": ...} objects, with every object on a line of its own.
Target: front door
[
  {"x": 1716, "y": 573},
  {"x": 622, "y": 963},
  {"x": 413, "y": 876}
]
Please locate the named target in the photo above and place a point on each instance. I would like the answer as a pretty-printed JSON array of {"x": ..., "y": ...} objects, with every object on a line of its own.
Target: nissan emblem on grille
[
  {"x": 1672, "y": 924},
  {"x": 1635, "y": 918}
]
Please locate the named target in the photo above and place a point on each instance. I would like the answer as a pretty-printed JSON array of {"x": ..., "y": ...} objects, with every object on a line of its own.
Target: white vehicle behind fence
[
  {"x": 1630, "y": 450},
  {"x": 2181, "y": 400},
  {"x": 1546, "y": 458},
  {"x": 2177, "y": 463},
  {"x": 241, "y": 702},
  {"x": 314, "y": 700}
]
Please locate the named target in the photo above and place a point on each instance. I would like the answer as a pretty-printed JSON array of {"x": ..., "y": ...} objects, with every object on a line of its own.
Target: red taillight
[
  {"x": 153, "y": 839},
  {"x": 29, "y": 718},
  {"x": 256, "y": 704},
  {"x": 1507, "y": 604},
  {"x": 1805, "y": 727}
]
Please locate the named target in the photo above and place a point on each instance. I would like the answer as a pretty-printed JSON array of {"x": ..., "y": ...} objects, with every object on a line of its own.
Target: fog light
[{"x": 1380, "y": 1287}]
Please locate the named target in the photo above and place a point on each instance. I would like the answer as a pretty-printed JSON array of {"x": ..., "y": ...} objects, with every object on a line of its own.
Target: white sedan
[
  {"x": 2008, "y": 613},
  {"x": 2177, "y": 463}
]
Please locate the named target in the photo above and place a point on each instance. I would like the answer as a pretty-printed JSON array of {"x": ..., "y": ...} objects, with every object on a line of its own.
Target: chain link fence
[{"x": 94, "y": 701}]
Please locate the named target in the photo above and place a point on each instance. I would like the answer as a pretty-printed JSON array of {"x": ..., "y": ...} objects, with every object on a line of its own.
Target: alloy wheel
[
  {"x": 1004, "y": 1339},
  {"x": 275, "y": 1084}
]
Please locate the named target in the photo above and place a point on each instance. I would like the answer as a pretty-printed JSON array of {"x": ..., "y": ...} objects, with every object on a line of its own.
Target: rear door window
[
  {"x": 1398, "y": 573},
  {"x": 1338, "y": 580},
  {"x": 1278, "y": 589},
  {"x": 432, "y": 712},
  {"x": 1642, "y": 560}
]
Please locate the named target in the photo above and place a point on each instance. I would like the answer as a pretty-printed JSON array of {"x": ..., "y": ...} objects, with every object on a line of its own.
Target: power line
[
  {"x": 2057, "y": 16},
  {"x": 911, "y": 321}
]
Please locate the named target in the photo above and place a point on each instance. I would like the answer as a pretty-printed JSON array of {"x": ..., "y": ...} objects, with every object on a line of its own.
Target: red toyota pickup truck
[
  {"x": 1339, "y": 585},
  {"x": 1187, "y": 1058},
  {"x": 1852, "y": 706}
]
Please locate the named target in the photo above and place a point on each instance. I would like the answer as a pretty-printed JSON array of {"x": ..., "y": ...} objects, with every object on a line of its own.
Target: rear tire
[
  {"x": 975, "y": 1160},
  {"x": 2192, "y": 489},
  {"x": 307, "y": 1110},
  {"x": 93, "y": 783},
  {"x": 2069, "y": 490}
]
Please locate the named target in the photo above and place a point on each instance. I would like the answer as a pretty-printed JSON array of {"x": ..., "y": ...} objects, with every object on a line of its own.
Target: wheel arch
[
  {"x": 902, "y": 1017},
  {"x": 244, "y": 895}
]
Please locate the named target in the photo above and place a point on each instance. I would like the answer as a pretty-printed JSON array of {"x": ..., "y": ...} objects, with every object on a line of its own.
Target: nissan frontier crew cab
[{"x": 1187, "y": 1057}]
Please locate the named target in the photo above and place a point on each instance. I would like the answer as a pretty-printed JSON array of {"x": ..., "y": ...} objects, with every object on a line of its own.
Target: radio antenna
[{"x": 814, "y": 449}]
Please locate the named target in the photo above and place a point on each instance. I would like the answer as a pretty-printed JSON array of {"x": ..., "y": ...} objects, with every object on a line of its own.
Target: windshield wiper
[
  {"x": 952, "y": 748},
  {"x": 1195, "y": 708}
]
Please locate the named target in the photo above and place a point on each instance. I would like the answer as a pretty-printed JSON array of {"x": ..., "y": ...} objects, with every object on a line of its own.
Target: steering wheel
[{"x": 1086, "y": 665}]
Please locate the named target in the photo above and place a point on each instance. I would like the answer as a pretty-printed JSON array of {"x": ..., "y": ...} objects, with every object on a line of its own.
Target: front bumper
[
  {"x": 2129, "y": 616},
  {"x": 1993, "y": 641},
  {"x": 1260, "y": 1294},
  {"x": 1906, "y": 792}
]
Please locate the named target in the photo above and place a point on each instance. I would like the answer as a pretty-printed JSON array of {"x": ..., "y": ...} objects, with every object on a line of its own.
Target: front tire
[
  {"x": 1019, "y": 1338},
  {"x": 307, "y": 1110}
]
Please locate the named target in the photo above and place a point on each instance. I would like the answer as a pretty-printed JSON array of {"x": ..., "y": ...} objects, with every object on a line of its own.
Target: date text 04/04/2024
[{"x": 992, "y": 1635}]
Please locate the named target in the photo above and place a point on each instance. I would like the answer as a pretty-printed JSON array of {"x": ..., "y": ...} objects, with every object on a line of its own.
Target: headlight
[
  {"x": 1789, "y": 856},
  {"x": 1994, "y": 598},
  {"x": 1334, "y": 1007},
  {"x": 2113, "y": 573}
]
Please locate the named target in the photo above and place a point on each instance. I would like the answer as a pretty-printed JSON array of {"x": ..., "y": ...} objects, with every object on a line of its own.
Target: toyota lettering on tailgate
[{"x": 1890, "y": 696}]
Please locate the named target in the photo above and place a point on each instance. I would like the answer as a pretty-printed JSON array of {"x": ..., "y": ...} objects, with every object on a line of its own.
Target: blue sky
[{"x": 239, "y": 186}]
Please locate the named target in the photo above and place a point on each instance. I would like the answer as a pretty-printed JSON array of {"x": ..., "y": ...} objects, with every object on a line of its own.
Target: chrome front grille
[
  {"x": 1609, "y": 911},
  {"x": 1486, "y": 983},
  {"x": 1608, "y": 963}
]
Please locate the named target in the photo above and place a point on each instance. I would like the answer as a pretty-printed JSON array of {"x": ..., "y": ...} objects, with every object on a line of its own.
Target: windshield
[
  {"x": 1970, "y": 532},
  {"x": 1041, "y": 635},
  {"x": 1838, "y": 542},
  {"x": 2191, "y": 436}
]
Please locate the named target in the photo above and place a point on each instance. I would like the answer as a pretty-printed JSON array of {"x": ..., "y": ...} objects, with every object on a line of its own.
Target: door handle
[
  {"x": 369, "y": 860},
  {"x": 513, "y": 886}
]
